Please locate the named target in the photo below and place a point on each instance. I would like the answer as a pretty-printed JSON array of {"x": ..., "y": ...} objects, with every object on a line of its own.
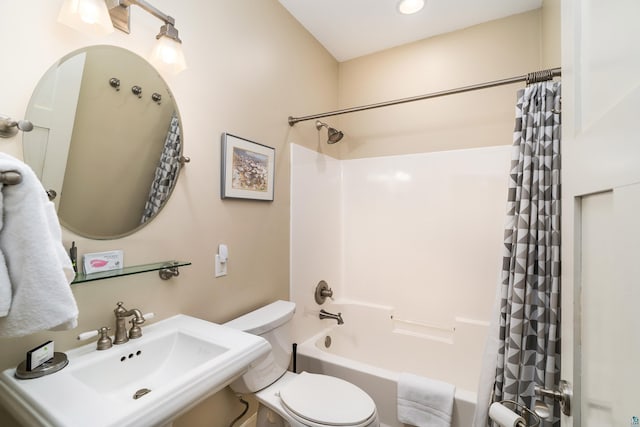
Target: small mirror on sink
[{"x": 106, "y": 139}]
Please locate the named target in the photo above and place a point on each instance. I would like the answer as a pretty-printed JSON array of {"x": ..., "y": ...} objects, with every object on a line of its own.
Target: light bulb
[
  {"x": 88, "y": 12},
  {"x": 407, "y": 7},
  {"x": 167, "y": 56},
  {"x": 87, "y": 16}
]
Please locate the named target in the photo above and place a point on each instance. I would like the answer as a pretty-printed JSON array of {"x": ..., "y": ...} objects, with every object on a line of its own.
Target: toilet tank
[{"x": 271, "y": 322}]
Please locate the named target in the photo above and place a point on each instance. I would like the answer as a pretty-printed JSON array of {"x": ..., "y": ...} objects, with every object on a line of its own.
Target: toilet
[{"x": 296, "y": 400}]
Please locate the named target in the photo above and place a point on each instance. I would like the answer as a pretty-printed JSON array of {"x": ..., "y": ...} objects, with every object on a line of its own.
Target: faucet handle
[
  {"x": 322, "y": 292},
  {"x": 104, "y": 341},
  {"x": 119, "y": 308},
  {"x": 86, "y": 335}
]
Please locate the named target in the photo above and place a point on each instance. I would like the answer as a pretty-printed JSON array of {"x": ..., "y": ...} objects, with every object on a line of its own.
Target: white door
[
  {"x": 601, "y": 211},
  {"x": 52, "y": 110}
]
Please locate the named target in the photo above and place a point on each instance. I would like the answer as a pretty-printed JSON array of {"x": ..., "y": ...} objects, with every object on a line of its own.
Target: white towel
[
  {"x": 423, "y": 402},
  {"x": 36, "y": 273}
]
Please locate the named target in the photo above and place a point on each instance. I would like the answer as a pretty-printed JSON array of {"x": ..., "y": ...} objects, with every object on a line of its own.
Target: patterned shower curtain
[
  {"x": 529, "y": 323},
  {"x": 166, "y": 171}
]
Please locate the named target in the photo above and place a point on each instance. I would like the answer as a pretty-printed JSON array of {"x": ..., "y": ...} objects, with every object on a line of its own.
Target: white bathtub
[{"x": 372, "y": 348}]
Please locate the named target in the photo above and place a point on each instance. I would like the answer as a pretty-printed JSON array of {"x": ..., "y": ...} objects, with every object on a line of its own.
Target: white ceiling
[{"x": 352, "y": 28}]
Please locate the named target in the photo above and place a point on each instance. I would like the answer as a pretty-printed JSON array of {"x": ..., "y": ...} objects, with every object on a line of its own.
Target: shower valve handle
[{"x": 323, "y": 291}]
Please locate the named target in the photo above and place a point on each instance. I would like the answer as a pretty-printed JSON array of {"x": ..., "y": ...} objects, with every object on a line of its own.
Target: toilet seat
[{"x": 321, "y": 400}]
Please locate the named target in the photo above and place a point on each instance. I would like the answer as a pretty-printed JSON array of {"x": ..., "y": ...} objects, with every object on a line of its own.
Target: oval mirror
[{"x": 106, "y": 139}]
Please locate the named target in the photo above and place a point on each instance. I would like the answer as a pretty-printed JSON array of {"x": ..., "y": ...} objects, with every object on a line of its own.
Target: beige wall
[
  {"x": 251, "y": 65},
  {"x": 551, "y": 33},
  {"x": 496, "y": 50}
]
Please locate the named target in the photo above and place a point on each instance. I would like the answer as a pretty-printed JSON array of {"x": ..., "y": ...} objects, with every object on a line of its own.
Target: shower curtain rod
[{"x": 535, "y": 77}]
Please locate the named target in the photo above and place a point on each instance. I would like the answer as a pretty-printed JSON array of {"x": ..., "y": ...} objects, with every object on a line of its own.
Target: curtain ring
[{"x": 539, "y": 76}]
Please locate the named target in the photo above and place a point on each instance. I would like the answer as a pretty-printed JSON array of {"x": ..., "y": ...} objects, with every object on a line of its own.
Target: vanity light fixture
[
  {"x": 167, "y": 54},
  {"x": 408, "y": 7},
  {"x": 87, "y": 16},
  {"x": 99, "y": 17}
]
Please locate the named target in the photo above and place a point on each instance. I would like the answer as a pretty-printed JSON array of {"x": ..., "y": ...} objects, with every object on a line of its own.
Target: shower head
[{"x": 333, "y": 135}]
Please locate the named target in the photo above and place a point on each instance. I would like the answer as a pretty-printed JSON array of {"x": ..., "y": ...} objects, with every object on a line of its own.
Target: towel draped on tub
[
  {"x": 35, "y": 271},
  {"x": 423, "y": 402}
]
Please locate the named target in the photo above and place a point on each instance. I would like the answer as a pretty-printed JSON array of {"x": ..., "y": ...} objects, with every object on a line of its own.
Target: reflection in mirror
[{"x": 112, "y": 155}]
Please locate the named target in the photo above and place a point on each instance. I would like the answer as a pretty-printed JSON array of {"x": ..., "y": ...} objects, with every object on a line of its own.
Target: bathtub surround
[
  {"x": 359, "y": 224},
  {"x": 429, "y": 223}
]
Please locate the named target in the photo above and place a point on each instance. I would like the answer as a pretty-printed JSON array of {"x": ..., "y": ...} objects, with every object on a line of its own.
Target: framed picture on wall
[{"x": 247, "y": 169}]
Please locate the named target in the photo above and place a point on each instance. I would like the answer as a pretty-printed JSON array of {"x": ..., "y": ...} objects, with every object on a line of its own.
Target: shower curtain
[
  {"x": 525, "y": 348},
  {"x": 166, "y": 171}
]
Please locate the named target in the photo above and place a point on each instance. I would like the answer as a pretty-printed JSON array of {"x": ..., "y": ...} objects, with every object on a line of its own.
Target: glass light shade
[
  {"x": 407, "y": 7},
  {"x": 167, "y": 56},
  {"x": 87, "y": 16}
]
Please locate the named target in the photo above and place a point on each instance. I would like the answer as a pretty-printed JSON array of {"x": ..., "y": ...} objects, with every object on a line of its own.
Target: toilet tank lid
[{"x": 265, "y": 318}]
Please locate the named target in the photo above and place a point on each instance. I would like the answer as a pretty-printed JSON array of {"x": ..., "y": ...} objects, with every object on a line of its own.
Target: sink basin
[{"x": 148, "y": 381}]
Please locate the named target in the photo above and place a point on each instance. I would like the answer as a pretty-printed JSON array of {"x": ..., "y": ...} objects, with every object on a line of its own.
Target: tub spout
[{"x": 326, "y": 315}]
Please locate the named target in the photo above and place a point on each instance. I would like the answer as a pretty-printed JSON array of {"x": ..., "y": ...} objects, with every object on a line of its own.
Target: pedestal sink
[{"x": 148, "y": 381}]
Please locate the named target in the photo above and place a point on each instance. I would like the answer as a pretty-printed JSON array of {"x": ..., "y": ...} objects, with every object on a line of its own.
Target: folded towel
[
  {"x": 36, "y": 289},
  {"x": 423, "y": 402}
]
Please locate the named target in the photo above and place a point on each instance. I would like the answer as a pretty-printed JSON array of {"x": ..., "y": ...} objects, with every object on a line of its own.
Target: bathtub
[{"x": 373, "y": 347}]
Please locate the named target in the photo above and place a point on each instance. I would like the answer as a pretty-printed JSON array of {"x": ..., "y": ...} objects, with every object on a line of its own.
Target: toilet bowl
[
  {"x": 297, "y": 400},
  {"x": 318, "y": 400}
]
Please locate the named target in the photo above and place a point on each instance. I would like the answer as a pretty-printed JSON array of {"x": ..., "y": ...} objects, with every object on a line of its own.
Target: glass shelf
[{"x": 170, "y": 267}]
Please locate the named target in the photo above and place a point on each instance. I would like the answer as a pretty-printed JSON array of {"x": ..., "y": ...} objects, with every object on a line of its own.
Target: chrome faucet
[
  {"x": 326, "y": 315},
  {"x": 122, "y": 313}
]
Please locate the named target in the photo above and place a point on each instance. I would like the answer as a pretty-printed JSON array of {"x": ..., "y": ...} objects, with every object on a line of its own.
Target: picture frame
[{"x": 247, "y": 169}]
